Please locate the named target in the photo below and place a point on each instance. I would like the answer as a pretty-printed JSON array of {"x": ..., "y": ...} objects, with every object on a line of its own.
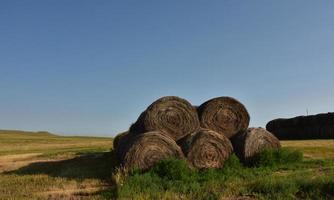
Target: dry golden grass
[
  {"x": 12, "y": 162},
  {"x": 17, "y": 142},
  {"x": 312, "y": 149},
  {"x": 47, "y": 166}
]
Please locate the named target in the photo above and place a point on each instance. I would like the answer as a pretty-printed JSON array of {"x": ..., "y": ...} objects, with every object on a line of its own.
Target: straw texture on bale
[
  {"x": 122, "y": 144},
  {"x": 172, "y": 115},
  {"x": 225, "y": 115},
  {"x": 141, "y": 151},
  {"x": 319, "y": 126},
  {"x": 251, "y": 142},
  {"x": 206, "y": 149},
  {"x": 118, "y": 138}
]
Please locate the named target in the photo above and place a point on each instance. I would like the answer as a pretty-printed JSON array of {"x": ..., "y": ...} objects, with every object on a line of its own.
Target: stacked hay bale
[
  {"x": 154, "y": 135},
  {"x": 206, "y": 149},
  {"x": 225, "y": 115},
  {"x": 172, "y": 127},
  {"x": 320, "y": 126},
  {"x": 252, "y": 141}
]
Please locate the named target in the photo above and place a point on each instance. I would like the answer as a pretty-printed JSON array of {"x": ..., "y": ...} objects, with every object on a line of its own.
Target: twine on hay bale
[
  {"x": 224, "y": 115},
  {"x": 172, "y": 115},
  {"x": 206, "y": 149},
  {"x": 251, "y": 142}
]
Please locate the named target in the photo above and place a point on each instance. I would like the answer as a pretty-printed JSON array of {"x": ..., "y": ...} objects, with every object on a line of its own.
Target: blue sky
[{"x": 90, "y": 67}]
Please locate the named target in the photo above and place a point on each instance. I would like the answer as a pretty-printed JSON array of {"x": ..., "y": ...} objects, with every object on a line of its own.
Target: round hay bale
[
  {"x": 206, "y": 149},
  {"x": 121, "y": 145},
  {"x": 251, "y": 142},
  {"x": 225, "y": 115},
  {"x": 143, "y": 150},
  {"x": 172, "y": 115},
  {"x": 118, "y": 138}
]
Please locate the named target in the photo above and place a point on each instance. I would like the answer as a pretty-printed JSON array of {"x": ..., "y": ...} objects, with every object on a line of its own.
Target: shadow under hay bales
[
  {"x": 91, "y": 165},
  {"x": 85, "y": 166}
]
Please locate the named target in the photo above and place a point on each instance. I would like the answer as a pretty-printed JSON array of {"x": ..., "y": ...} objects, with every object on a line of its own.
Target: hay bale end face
[
  {"x": 206, "y": 149},
  {"x": 122, "y": 143},
  {"x": 143, "y": 150},
  {"x": 251, "y": 142},
  {"x": 225, "y": 115},
  {"x": 172, "y": 115},
  {"x": 118, "y": 138}
]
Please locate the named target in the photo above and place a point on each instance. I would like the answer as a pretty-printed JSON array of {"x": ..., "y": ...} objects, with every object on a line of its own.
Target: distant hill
[
  {"x": 30, "y": 133},
  {"x": 320, "y": 126}
]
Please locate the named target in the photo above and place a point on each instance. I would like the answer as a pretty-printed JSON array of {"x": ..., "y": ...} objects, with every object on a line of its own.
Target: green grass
[
  {"x": 285, "y": 176},
  {"x": 84, "y": 168},
  {"x": 276, "y": 157}
]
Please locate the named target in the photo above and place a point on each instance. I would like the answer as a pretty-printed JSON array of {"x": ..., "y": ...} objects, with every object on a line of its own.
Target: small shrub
[
  {"x": 141, "y": 183},
  {"x": 232, "y": 163},
  {"x": 172, "y": 169}
]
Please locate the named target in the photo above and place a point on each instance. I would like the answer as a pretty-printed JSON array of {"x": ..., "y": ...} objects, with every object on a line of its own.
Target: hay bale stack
[
  {"x": 320, "y": 126},
  {"x": 225, "y": 115},
  {"x": 141, "y": 151},
  {"x": 206, "y": 149},
  {"x": 249, "y": 143},
  {"x": 172, "y": 127},
  {"x": 171, "y": 115}
]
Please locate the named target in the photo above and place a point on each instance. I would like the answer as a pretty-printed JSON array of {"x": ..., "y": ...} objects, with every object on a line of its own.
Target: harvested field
[
  {"x": 312, "y": 149},
  {"x": 46, "y": 166},
  {"x": 86, "y": 173},
  {"x": 17, "y": 142}
]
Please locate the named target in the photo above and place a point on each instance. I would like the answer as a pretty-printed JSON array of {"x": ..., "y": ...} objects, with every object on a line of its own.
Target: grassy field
[{"x": 46, "y": 166}]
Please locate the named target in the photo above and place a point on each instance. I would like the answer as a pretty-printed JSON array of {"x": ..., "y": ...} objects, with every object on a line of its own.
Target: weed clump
[
  {"x": 271, "y": 188},
  {"x": 232, "y": 163},
  {"x": 274, "y": 157},
  {"x": 172, "y": 169}
]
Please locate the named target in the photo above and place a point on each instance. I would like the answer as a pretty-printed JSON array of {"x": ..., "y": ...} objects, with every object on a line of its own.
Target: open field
[
  {"x": 18, "y": 142},
  {"x": 46, "y": 166},
  {"x": 312, "y": 149}
]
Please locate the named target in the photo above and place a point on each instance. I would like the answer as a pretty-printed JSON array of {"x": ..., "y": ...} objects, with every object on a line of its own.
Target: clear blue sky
[{"x": 90, "y": 67}]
